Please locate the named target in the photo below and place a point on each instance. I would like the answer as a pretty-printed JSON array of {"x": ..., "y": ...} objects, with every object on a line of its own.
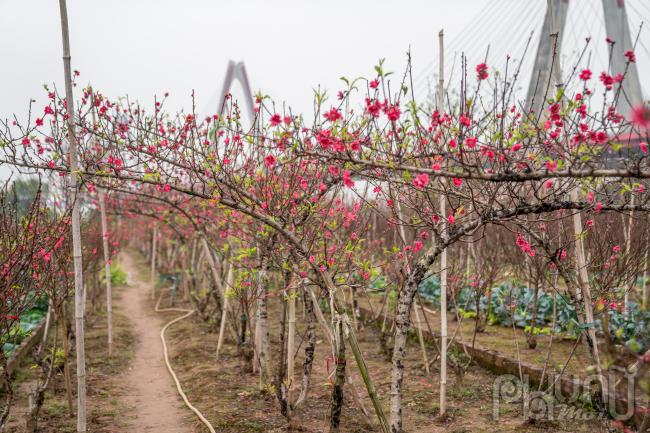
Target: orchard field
[{"x": 467, "y": 262}]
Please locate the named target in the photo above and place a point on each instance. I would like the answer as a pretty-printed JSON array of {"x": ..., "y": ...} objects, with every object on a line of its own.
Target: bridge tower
[{"x": 618, "y": 30}]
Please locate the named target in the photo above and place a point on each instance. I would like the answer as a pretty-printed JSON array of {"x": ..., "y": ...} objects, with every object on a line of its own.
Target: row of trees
[{"x": 35, "y": 261}]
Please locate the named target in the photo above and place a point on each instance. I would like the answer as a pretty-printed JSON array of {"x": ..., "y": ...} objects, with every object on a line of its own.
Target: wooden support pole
[
  {"x": 107, "y": 267},
  {"x": 73, "y": 185},
  {"x": 154, "y": 244},
  {"x": 443, "y": 254}
]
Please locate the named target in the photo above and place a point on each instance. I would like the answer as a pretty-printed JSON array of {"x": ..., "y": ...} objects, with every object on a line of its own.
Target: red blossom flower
[
  {"x": 585, "y": 75},
  {"x": 640, "y": 116},
  {"x": 347, "y": 180},
  {"x": 607, "y": 80},
  {"x": 421, "y": 181},
  {"x": 392, "y": 111},
  {"x": 551, "y": 165},
  {"x": 269, "y": 160},
  {"x": 275, "y": 120},
  {"x": 470, "y": 142},
  {"x": 524, "y": 246},
  {"x": 481, "y": 71},
  {"x": 333, "y": 115}
]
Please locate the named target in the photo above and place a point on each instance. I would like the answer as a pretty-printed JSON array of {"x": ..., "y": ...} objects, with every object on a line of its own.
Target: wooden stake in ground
[
  {"x": 107, "y": 266},
  {"x": 644, "y": 301},
  {"x": 73, "y": 184},
  {"x": 583, "y": 282},
  {"x": 291, "y": 338},
  {"x": 153, "y": 261},
  {"x": 628, "y": 247},
  {"x": 443, "y": 257},
  {"x": 224, "y": 312}
]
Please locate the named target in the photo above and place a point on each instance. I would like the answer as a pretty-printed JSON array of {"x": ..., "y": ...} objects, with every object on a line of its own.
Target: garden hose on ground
[{"x": 187, "y": 314}]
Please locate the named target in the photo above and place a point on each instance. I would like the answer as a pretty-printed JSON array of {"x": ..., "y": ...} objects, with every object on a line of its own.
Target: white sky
[{"x": 144, "y": 47}]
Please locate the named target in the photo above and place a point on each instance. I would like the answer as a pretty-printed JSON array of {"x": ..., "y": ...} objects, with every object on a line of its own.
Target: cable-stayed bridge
[{"x": 520, "y": 30}]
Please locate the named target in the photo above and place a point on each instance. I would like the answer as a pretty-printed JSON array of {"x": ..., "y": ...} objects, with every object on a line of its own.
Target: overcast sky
[{"x": 147, "y": 47}]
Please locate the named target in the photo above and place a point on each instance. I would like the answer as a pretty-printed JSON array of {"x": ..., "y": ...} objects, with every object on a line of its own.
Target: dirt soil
[
  {"x": 230, "y": 396},
  {"x": 507, "y": 341},
  {"x": 149, "y": 387},
  {"x": 133, "y": 392},
  {"x": 107, "y": 412}
]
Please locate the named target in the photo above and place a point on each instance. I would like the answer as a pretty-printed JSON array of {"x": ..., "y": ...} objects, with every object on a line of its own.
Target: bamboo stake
[
  {"x": 224, "y": 311},
  {"x": 443, "y": 255},
  {"x": 291, "y": 338},
  {"x": 354, "y": 345},
  {"x": 66, "y": 358},
  {"x": 107, "y": 255},
  {"x": 73, "y": 184},
  {"x": 213, "y": 268},
  {"x": 221, "y": 288},
  {"x": 321, "y": 319},
  {"x": 644, "y": 301},
  {"x": 153, "y": 261},
  {"x": 628, "y": 247},
  {"x": 583, "y": 282},
  {"x": 48, "y": 318},
  {"x": 107, "y": 266}
]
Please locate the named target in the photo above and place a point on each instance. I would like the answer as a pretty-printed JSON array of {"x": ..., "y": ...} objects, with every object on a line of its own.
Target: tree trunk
[
  {"x": 7, "y": 389},
  {"x": 261, "y": 324},
  {"x": 531, "y": 338},
  {"x": 407, "y": 270},
  {"x": 280, "y": 384},
  {"x": 310, "y": 347},
  {"x": 337, "y": 389},
  {"x": 402, "y": 322}
]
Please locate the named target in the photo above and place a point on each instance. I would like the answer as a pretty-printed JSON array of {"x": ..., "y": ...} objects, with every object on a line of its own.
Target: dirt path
[{"x": 150, "y": 389}]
